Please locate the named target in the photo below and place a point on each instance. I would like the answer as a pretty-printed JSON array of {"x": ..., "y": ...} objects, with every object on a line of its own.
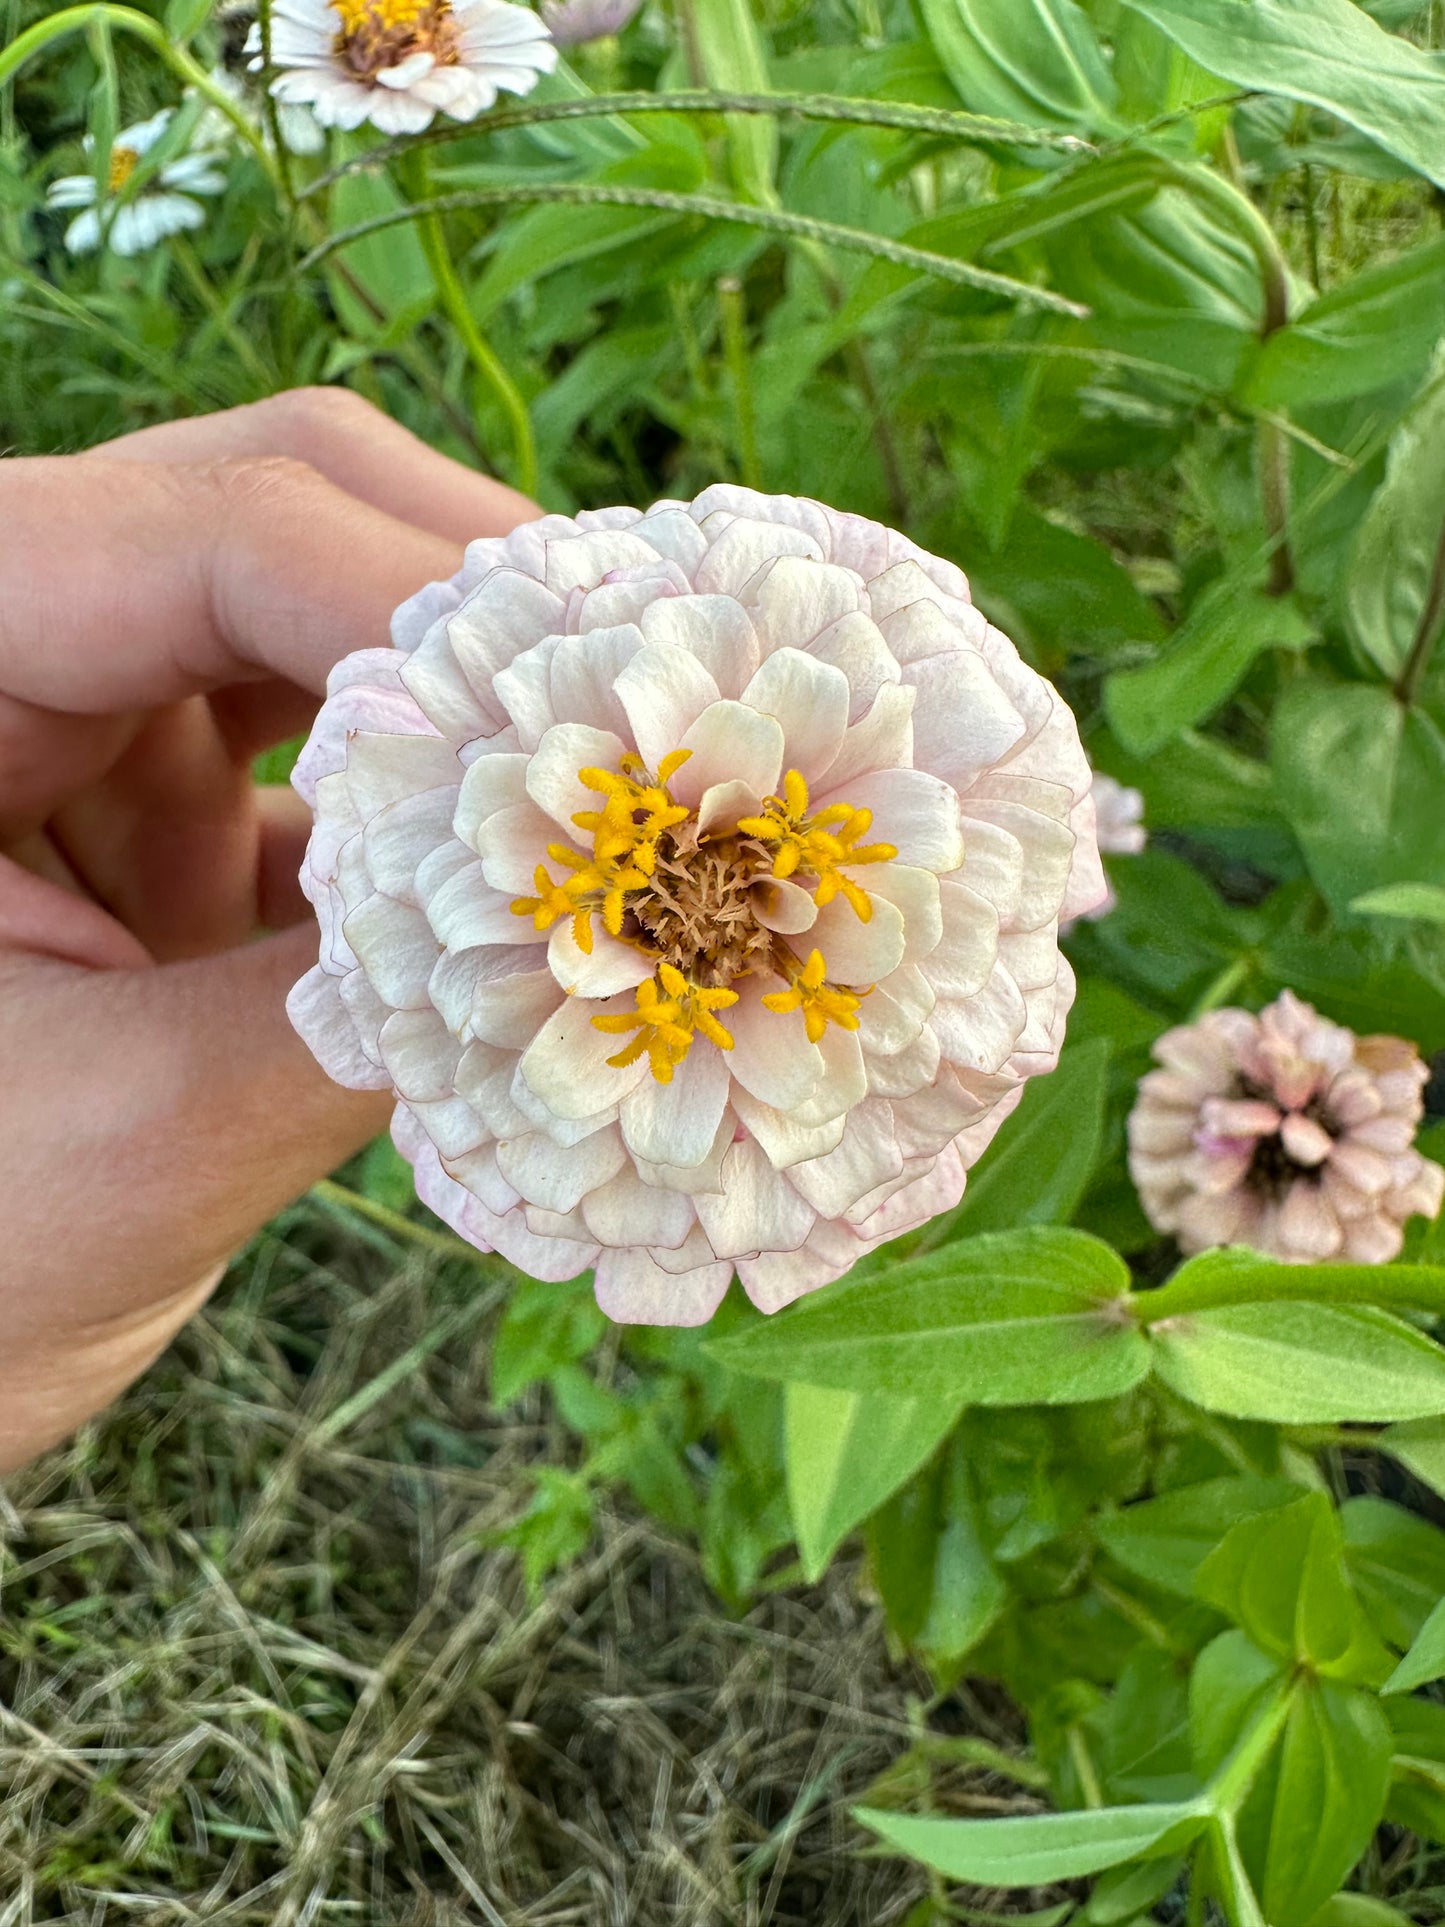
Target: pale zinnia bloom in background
[
  {"x": 1285, "y": 1132},
  {"x": 162, "y": 206},
  {"x": 300, "y": 131},
  {"x": 397, "y": 63},
  {"x": 694, "y": 879},
  {"x": 572, "y": 22}
]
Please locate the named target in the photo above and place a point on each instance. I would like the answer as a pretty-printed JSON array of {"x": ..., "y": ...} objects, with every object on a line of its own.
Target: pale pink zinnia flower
[
  {"x": 1285, "y": 1132},
  {"x": 694, "y": 879},
  {"x": 572, "y": 23},
  {"x": 398, "y": 63},
  {"x": 1118, "y": 827}
]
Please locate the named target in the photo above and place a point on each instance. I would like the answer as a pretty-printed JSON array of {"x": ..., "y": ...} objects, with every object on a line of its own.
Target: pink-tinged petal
[
  {"x": 844, "y": 1082},
  {"x": 624, "y": 1212},
  {"x": 664, "y": 689},
  {"x": 478, "y": 1172},
  {"x": 1306, "y": 1223},
  {"x": 1046, "y": 848},
  {"x": 676, "y": 1123},
  {"x": 792, "y": 601},
  {"x": 466, "y": 912},
  {"x": 720, "y": 806},
  {"x": 1372, "y": 1241},
  {"x": 810, "y": 702},
  {"x": 368, "y": 1012},
  {"x": 1367, "y": 1170},
  {"x": 963, "y": 960},
  {"x": 566, "y": 1066},
  {"x": 979, "y": 1032},
  {"x": 1240, "y": 1117},
  {"x": 493, "y": 782},
  {"x": 452, "y": 986},
  {"x": 907, "y": 583},
  {"x": 385, "y": 769},
  {"x": 963, "y": 723},
  {"x": 433, "y": 676},
  {"x": 785, "y": 1142},
  {"x": 320, "y": 1017},
  {"x": 513, "y": 842},
  {"x": 867, "y": 1156},
  {"x": 584, "y": 673},
  {"x": 582, "y": 561},
  {"x": 757, "y": 1208},
  {"x": 743, "y": 548},
  {"x": 452, "y": 1125},
  {"x": 420, "y": 1054},
  {"x": 506, "y": 613},
  {"x": 439, "y": 866},
  {"x": 771, "y": 1057},
  {"x": 693, "y": 1178},
  {"x": 1391, "y": 1133},
  {"x": 858, "y": 952},
  {"x": 563, "y": 1131},
  {"x": 893, "y": 1014},
  {"x": 395, "y": 946},
  {"x": 559, "y": 1180},
  {"x": 785, "y": 907},
  {"x": 775, "y": 1279},
  {"x": 883, "y": 740},
  {"x": 550, "y": 1257},
  {"x": 915, "y": 812},
  {"x": 901, "y": 1073},
  {"x": 400, "y": 837},
  {"x": 552, "y": 779},
  {"x": 524, "y": 691},
  {"x": 729, "y": 742},
  {"x": 855, "y": 645},
  {"x": 608, "y": 967},
  {"x": 484, "y": 1079},
  {"x": 510, "y": 1010},
  {"x": 633, "y": 1289},
  {"x": 716, "y": 630}
]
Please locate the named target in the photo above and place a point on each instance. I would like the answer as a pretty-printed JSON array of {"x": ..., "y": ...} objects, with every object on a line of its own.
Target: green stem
[
  {"x": 441, "y": 1242},
  {"x": 483, "y": 357},
  {"x": 1229, "y": 1788},
  {"x": 1427, "y": 629},
  {"x": 735, "y": 354},
  {"x": 1223, "y": 987},
  {"x": 127, "y": 20},
  {"x": 239, "y": 341}
]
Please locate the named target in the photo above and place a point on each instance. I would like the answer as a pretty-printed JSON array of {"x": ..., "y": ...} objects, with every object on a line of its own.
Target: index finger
[{"x": 123, "y": 588}]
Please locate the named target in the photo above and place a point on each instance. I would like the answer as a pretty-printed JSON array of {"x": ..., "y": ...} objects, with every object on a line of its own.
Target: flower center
[
  {"x": 379, "y": 34},
  {"x": 123, "y": 163},
  {"x": 701, "y": 904}
]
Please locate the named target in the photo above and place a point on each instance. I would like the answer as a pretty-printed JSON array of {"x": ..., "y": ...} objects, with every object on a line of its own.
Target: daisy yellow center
[
  {"x": 379, "y": 34},
  {"x": 123, "y": 163},
  {"x": 695, "y": 903}
]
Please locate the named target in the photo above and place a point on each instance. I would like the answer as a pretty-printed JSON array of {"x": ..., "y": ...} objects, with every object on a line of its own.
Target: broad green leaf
[
  {"x": 1374, "y": 329},
  {"x": 389, "y": 266},
  {"x": 1010, "y": 1318},
  {"x": 846, "y": 1453},
  {"x": 1301, "y": 1364},
  {"x": 1426, "y": 1658},
  {"x": 1416, "y": 902},
  {"x": 1397, "y": 1562},
  {"x": 1036, "y": 1169},
  {"x": 1232, "y": 622},
  {"x": 731, "y": 54},
  {"x": 1166, "y": 1540},
  {"x": 1326, "y": 52},
  {"x": 1398, "y": 549},
  {"x": 1280, "y": 1576},
  {"x": 1038, "y": 1849},
  {"x": 1387, "y": 830},
  {"x": 1231, "y": 1682},
  {"x": 1325, "y": 1795},
  {"x": 1235, "y": 1275},
  {"x": 1349, "y": 1909},
  {"x": 1419, "y": 1445},
  {"x": 969, "y": 1593},
  {"x": 1036, "y": 61},
  {"x": 1056, "y": 591}
]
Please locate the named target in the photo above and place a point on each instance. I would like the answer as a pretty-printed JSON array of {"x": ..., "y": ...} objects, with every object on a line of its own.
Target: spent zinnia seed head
[
  {"x": 1285, "y": 1132},
  {"x": 694, "y": 878}
]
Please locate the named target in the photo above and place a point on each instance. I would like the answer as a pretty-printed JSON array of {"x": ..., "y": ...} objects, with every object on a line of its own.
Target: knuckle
[
  {"x": 249, "y": 482},
  {"x": 301, "y": 415}
]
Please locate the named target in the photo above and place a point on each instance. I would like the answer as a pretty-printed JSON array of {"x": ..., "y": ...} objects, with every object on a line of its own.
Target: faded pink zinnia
[
  {"x": 694, "y": 878},
  {"x": 1285, "y": 1132}
]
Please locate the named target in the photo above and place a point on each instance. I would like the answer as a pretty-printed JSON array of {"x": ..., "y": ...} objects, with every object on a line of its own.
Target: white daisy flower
[
  {"x": 163, "y": 206},
  {"x": 397, "y": 63}
]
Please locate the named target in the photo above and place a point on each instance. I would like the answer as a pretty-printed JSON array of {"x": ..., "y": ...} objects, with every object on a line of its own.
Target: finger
[
  {"x": 169, "y": 1113},
  {"x": 285, "y": 826},
  {"x": 189, "y": 578},
  {"x": 353, "y": 445}
]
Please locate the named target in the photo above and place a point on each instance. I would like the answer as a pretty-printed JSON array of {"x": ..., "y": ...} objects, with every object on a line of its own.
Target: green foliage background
[{"x": 1135, "y": 309}]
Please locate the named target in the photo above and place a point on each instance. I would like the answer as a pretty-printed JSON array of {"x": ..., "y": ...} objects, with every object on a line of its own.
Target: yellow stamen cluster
[
  {"x": 816, "y": 845},
  {"x": 819, "y": 1001},
  {"x": 669, "y": 1012},
  {"x": 123, "y": 163},
  {"x": 624, "y": 836},
  {"x": 381, "y": 16}
]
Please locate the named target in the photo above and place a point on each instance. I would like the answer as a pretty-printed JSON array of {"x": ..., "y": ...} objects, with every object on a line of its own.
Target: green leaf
[
  {"x": 846, "y": 1453},
  {"x": 1417, "y": 1794},
  {"x": 1231, "y": 1681},
  {"x": 1326, "y": 52},
  {"x": 1388, "y": 831},
  {"x": 1426, "y": 1658},
  {"x": 1235, "y": 1275},
  {"x": 185, "y": 18},
  {"x": 1038, "y": 1166},
  {"x": 1376, "y": 328},
  {"x": 1397, "y": 1562},
  {"x": 1325, "y": 1798},
  {"x": 969, "y": 1593},
  {"x": 1166, "y": 1540},
  {"x": 1038, "y": 1849},
  {"x": 1232, "y": 622},
  {"x": 543, "y": 1328},
  {"x": 1028, "y": 60},
  {"x": 1419, "y": 1445},
  {"x": 1010, "y": 1318},
  {"x": 1281, "y": 1578},
  {"x": 1417, "y": 902},
  {"x": 1301, "y": 1364},
  {"x": 1396, "y": 554},
  {"x": 733, "y": 59},
  {"x": 1357, "y": 1910}
]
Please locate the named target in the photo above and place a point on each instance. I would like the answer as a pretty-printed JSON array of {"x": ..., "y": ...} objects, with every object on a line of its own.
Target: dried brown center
[
  {"x": 378, "y": 34},
  {"x": 699, "y": 911}
]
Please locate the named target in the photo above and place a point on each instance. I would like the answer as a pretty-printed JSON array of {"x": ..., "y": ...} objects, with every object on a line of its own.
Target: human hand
[{"x": 170, "y": 605}]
